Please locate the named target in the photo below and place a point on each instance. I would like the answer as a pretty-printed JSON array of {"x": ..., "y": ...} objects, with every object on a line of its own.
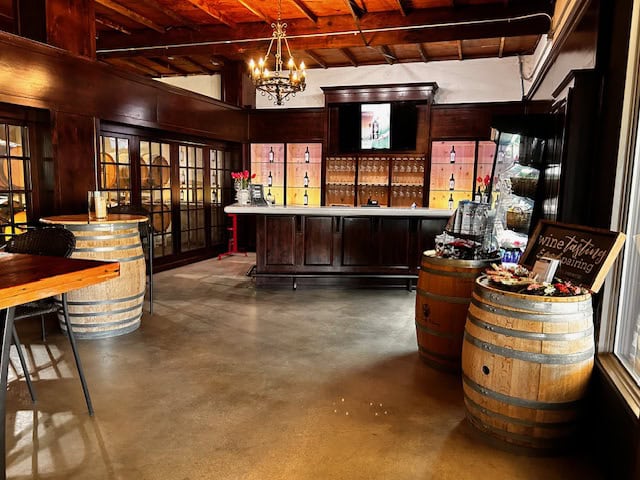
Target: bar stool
[{"x": 232, "y": 245}]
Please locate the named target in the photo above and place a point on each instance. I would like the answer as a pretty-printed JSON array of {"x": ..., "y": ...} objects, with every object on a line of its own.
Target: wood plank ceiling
[{"x": 188, "y": 37}]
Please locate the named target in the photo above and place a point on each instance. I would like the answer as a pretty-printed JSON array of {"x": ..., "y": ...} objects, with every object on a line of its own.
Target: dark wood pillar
[
  {"x": 66, "y": 24},
  {"x": 73, "y": 164},
  {"x": 236, "y": 87}
]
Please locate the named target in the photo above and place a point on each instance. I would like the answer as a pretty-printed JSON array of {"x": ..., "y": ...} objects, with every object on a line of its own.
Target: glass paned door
[
  {"x": 15, "y": 179},
  {"x": 155, "y": 182},
  {"x": 192, "y": 211},
  {"x": 115, "y": 169}
]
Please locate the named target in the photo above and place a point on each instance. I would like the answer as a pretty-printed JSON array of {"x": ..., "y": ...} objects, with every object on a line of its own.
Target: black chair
[
  {"x": 146, "y": 238},
  {"x": 54, "y": 242}
]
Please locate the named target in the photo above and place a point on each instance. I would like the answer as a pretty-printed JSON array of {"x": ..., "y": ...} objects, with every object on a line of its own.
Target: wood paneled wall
[{"x": 287, "y": 125}]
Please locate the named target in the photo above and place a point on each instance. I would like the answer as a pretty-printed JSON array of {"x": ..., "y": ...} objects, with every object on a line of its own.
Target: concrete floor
[{"x": 226, "y": 382}]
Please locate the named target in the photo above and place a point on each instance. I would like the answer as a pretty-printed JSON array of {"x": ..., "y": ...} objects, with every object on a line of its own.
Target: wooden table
[
  {"x": 112, "y": 308},
  {"x": 27, "y": 278}
]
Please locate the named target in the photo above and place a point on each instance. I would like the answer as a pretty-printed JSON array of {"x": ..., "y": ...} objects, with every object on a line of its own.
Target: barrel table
[
  {"x": 442, "y": 299},
  {"x": 526, "y": 363},
  {"x": 115, "y": 307}
]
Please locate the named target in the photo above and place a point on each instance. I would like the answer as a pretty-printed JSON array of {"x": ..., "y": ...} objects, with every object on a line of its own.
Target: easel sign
[
  {"x": 256, "y": 194},
  {"x": 586, "y": 254}
]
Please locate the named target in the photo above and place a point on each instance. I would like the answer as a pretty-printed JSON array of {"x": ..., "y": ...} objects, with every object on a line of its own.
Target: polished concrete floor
[{"x": 228, "y": 382}]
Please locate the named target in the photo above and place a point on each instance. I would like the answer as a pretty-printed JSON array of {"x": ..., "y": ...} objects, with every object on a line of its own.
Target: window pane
[{"x": 627, "y": 345}]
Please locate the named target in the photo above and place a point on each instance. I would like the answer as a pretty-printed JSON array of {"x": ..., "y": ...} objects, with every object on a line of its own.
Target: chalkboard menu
[
  {"x": 586, "y": 254},
  {"x": 256, "y": 194}
]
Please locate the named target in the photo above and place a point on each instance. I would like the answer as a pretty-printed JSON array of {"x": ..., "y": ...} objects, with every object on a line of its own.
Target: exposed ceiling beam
[
  {"x": 195, "y": 63},
  {"x": 256, "y": 11},
  {"x": 423, "y": 53},
  {"x": 167, "y": 64},
  {"x": 182, "y": 21},
  {"x": 460, "y": 50},
  {"x": 130, "y": 64},
  {"x": 388, "y": 56},
  {"x": 212, "y": 12},
  {"x": 130, "y": 14},
  {"x": 306, "y": 11},
  {"x": 501, "y": 50},
  {"x": 347, "y": 53},
  {"x": 356, "y": 10},
  {"x": 402, "y": 7},
  {"x": 316, "y": 58},
  {"x": 112, "y": 25},
  {"x": 411, "y": 30}
]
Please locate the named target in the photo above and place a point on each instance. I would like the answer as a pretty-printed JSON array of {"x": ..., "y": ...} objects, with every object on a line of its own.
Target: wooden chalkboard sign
[{"x": 586, "y": 254}]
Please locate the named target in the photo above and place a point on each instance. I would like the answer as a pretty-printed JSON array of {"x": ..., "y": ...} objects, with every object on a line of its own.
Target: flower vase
[{"x": 243, "y": 196}]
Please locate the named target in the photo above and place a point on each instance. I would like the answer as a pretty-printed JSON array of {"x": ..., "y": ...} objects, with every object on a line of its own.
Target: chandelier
[{"x": 278, "y": 84}]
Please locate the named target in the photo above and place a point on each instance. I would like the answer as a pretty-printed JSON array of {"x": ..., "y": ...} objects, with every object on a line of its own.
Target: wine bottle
[
  {"x": 452, "y": 182},
  {"x": 478, "y": 196},
  {"x": 452, "y": 154},
  {"x": 305, "y": 198},
  {"x": 269, "y": 180},
  {"x": 306, "y": 155},
  {"x": 269, "y": 197},
  {"x": 306, "y": 180},
  {"x": 271, "y": 155},
  {"x": 451, "y": 201}
]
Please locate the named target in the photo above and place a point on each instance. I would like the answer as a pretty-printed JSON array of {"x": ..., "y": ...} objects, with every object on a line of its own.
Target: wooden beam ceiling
[
  {"x": 459, "y": 49},
  {"x": 306, "y": 11},
  {"x": 195, "y": 63},
  {"x": 130, "y": 14},
  {"x": 212, "y": 12},
  {"x": 256, "y": 11},
  {"x": 113, "y": 25},
  {"x": 388, "y": 56},
  {"x": 316, "y": 58},
  {"x": 402, "y": 7},
  {"x": 347, "y": 53},
  {"x": 179, "y": 19},
  {"x": 501, "y": 50},
  {"x": 423, "y": 53}
]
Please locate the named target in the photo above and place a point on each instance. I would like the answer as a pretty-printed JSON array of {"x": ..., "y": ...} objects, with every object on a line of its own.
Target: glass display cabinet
[
  {"x": 340, "y": 181},
  {"x": 268, "y": 163}
]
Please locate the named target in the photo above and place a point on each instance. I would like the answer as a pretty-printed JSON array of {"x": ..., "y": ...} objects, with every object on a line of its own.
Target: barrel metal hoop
[
  {"x": 107, "y": 302},
  {"x": 547, "y": 359},
  {"x": 519, "y": 402},
  {"x": 119, "y": 236},
  {"x": 533, "y": 316},
  {"x": 108, "y": 312},
  {"x": 106, "y": 333},
  {"x": 430, "y": 257},
  {"x": 105, "y": 324},
  {"x": 436, "y": 333},
  {"x": 443, "y": 298},
  {"x": 521, "y": 440},
  {"x": 551, "y": 337},
  {"x": 119, "y": 260},
  {"x": 115, "y": 248},
  {"x": 446, "y": 273},
  {"x": 534, "y": 306},
  {"x": 101, "y": 227},
  {"x": 518, "y": 421},
  {"x": 438, "y": 355}
]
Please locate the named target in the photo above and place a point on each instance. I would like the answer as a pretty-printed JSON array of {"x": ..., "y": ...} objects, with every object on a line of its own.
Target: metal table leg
[{"x": 6, "y": 317}]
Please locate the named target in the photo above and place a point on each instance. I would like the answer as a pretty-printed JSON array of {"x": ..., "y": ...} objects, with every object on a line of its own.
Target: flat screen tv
[
  {"x": 355, "y": 131},
  {"x": 375, "y": 126}
]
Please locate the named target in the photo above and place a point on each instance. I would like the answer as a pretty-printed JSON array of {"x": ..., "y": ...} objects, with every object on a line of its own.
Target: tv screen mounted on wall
[{"x": 375, "y": 126}]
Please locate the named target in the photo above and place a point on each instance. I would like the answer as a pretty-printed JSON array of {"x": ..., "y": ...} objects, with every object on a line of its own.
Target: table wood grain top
[
  {"x": 26, "y": 278},
  {"x": 84, "y": 219}
]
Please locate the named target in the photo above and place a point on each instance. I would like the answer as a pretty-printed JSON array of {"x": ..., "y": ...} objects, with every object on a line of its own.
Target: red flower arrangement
[{"x": 242, "y": 179}]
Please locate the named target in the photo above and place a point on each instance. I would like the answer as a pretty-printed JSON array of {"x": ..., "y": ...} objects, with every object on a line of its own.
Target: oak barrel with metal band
[
  {"x": 114, "y": 307},
  {"x": 442, "y": 299},
  {"x": 526, "y": 363}
]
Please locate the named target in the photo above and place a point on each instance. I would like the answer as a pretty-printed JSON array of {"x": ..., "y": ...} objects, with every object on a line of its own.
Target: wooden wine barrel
[
  {"x": 161, "y": 220},
  {"x": 526, "y": 363},
  {"x": 114, "y": 307},
  {"x": 109, "y": 170},
  {"x": 442, "y": 299},
  {"x": 160, "y": 173}
]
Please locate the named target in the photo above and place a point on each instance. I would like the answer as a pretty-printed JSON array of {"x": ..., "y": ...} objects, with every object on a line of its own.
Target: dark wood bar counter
[{"x": 342, "y": 242}]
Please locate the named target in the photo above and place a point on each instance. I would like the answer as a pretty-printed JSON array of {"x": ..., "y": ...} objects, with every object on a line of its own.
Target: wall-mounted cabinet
[{"x": 290, "y": 173}]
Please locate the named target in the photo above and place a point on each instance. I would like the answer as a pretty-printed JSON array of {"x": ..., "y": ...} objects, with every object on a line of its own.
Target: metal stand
[{"x": 233, "y": 240}]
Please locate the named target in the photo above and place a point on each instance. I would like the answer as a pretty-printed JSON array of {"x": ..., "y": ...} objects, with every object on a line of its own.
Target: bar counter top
[{"x": 339, "y": 211}]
